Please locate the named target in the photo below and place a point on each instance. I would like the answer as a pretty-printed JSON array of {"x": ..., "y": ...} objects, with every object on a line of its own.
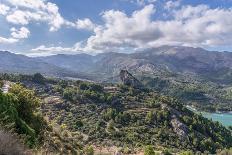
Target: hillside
[
  {"x": 126, "y": 118},
  {"x": 15, "y": 63},
  {"x": 195, "y": 76}
]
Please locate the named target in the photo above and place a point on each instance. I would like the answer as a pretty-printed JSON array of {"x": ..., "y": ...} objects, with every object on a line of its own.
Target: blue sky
[{"x": 47, "y": 27}]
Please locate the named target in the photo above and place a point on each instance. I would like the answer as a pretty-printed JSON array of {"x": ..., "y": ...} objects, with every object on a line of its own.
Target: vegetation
[
  {"x": 131, "y": 118},
  {"x": 202, "y": 95},
  {"x": 148, "y": 150},
  {"x": 18, "y": 112},
  {"x": 88, "y": 114},
  {"x": 20, "y": 115}
]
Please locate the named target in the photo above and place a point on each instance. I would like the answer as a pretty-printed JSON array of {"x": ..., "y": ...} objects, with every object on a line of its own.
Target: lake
[{"x": 224, "y": 118}]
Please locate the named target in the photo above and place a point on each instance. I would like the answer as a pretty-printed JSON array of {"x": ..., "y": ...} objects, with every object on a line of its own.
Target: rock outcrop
[
  {"x": 179, "y": 128},
  {"x": 129, "y": 80}
]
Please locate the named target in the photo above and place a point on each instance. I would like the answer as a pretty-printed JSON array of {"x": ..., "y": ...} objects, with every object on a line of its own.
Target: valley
[
  {"x": 123, "y": 103},
  {"x": 123, "y": 116},
  {"x": 197, "y": 77},
  {"x": 115, "y": 77}
]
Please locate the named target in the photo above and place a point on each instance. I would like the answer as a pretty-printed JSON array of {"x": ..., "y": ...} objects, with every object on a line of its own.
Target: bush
[
  {"x": 148, "y": 150},
  {"x": 225, "y": 152},
  {"x": 89, "y": 150},
  {"x": 187, "y": 153},
  {"x": 38, "y": 78}
]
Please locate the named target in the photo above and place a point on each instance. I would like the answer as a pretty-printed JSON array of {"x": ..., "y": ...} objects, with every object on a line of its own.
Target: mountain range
[{"x": 166, "y": 60}]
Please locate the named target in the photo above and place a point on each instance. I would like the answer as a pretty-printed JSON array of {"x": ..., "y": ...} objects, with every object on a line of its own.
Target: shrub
[
  {"x": 89, "y": 150},
  {"x": 148, "y": 150}
]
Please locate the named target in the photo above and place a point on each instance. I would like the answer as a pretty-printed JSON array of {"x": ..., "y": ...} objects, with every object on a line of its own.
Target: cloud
[
  {"x": 25, "y": 11},
  {"x": 85, "y": 24},
  {"x": 193, "y": 26},
  {"x": 7, "y": 40},
  {"x": 42, "y": 50},
  {"x": 32, "y": 4},
  {"x": 23, "y": 32},
  {"x": 198, "y": 26},
  {"x": 23, "y": 17},
  {"x": 16, "y": 35},
  {"x": 172, "y": 4},
  {"x": 142, "y": 2},
  {"x": 122, "y": 30},
  {"x": 4, "y": 9}
]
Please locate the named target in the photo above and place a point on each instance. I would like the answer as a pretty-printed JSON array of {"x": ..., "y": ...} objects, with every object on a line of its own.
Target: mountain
[
  {"x": 158, "y": 61},
  {"x": 15, "y": 63},
  {"x": 129, "y": 80},
  {"x": 79, "y": 62},
  {"x": 194, "y": 75}
]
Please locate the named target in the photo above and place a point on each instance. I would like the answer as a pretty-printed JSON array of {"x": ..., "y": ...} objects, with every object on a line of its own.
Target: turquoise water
[{"x": 223, "y": 118}]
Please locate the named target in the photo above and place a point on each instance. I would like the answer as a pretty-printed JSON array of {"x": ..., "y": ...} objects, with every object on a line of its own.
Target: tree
[
  {"x": 166, "y": 152},
  {"x": 26, "y": 100},
  {"x": 148, "y": 150},
  {"x": 89, "y": 150},
  {"x": 149, "y": 117},
  {"x": 230, "y": 127},
  {"x": 110, "y": 127},
  {"x": 68, "y": 94},
  {"x": 38, "y": 78},
  {"x": 187, "y": 153}
]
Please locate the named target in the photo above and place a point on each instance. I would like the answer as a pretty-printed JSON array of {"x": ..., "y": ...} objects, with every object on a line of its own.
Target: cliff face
[{"x": 129, "y": 80}]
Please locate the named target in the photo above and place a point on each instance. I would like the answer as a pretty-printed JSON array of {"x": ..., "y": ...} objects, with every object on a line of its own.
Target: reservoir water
[{"x": 223, "y": 118}]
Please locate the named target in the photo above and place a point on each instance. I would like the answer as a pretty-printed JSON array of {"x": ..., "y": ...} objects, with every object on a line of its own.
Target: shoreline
[{"x": 199, "y": 111}]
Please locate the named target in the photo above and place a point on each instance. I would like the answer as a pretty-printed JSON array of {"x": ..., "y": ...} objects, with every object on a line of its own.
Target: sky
[{"x": 48, "y": 27}]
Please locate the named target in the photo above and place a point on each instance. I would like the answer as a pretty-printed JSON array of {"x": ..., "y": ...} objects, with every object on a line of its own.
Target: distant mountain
[
  {"x": 79, "y": 62},
  {"x": 212, "y": 65},
  {"x": 15, "y": 63},
  {"x": 166, "y": 60}
]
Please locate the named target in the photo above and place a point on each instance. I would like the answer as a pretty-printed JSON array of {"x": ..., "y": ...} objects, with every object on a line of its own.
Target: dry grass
[{"x": 10, "y": 145}]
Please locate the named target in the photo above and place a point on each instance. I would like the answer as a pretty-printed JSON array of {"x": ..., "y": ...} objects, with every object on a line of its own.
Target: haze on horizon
[{"x": 45, "y": 27}]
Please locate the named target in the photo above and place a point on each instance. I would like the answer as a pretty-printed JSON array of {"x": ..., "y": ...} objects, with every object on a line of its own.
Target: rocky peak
[{"x": 129, "y": 80}]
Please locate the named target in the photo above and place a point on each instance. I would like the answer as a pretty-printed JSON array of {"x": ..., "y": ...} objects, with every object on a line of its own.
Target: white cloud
[
  {"x": 42, "y": 50},
  {"x": 192, "y": 26},
  {"x": 85, "y": 24},
  {"x": 27, "y": 11},
  {"x": 198, "y": 26},
  {"x": 16, "y": 35},
  {"x": 122, "y": 30},
  {"x": 33, "y": 4},
  {"x": 172, "y": 4},
  {"x": 4, "y": 9},
  {"x": 23, "y": 32},
  {"x": 142, "y": 2},
  {"x": 187, "y": 25},
  {"x": 23, "y": 17},
  {"x": 7, "y": 40}
]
